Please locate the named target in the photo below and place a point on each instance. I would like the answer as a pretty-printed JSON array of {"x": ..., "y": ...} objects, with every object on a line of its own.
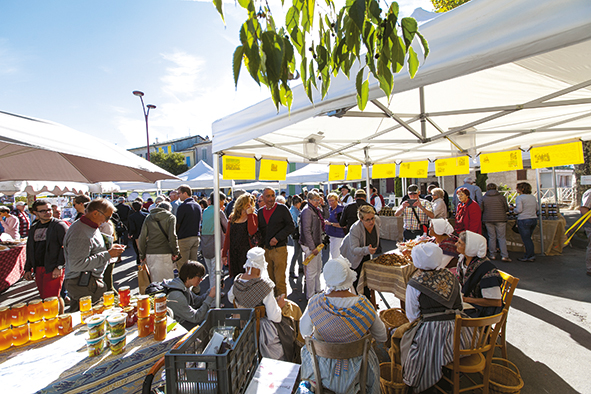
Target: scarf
[
  {"x": 439, "y": 285},
  {"x": 251, "y": 293}
]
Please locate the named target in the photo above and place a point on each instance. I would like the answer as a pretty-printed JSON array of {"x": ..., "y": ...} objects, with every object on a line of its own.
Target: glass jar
[
  {"x": 4, "y": 317},
  {"x": 160, "y": 329},
  {"x": 20, "y": 334},
  {"x": 35, "y": 310},
  {"x": 143, "y": 306},
  {"x": 124, "y": 296},
  {"x": 108, "y": 299},
  {"x": 5, "y": 339},
  {"x": 50, "y": 307},
  {"x": 85, "y": 315},
  {"x": 64, "y": 325},
  {"x": 18, "y": 314},
  {"x": 160, "y": 305},
  {"x": 85, "y": 303},
  {"x": 51, "y": 327},
  {"x": 145, "y": 326},
  {"x": 98, "y": 309}
]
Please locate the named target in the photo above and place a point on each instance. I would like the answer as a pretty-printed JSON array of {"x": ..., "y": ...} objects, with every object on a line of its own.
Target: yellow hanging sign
[
  {"x": 557, "y": 155},
  {"x": 239, "y": 168},
  {"x": 272, "y": 170},
  {"x": 414, "y": 169},
  {"x": 381, "y": 171},
  {"x": 501, "y": 161},
  {"x": 452, "y": 166},
  {"x": 336, "y": 172},
  {"x": 354, "y": 172}
]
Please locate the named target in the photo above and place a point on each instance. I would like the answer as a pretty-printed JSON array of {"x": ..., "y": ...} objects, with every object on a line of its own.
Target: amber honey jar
[
  {"x": 37, "y": 330},
  {"x": 145, "y": 326},
  {"x": 98, "y": 309},
  {"x": 85, "y": 303},
  {"x": 20, "y": 334},
  {"x": 4, "y": 317},
  {"x": 108, "y": 299},
  {"x": 124, "y": 296},
  {"x": 51, "y": 327},
  {"x": 35, "y": 309},
  {"x": 50, "y": 307},
  {"x": 18, "y": 314},
  {"x": 160, "y": 329},
  {"x": 5, "y": 339},
  {"x": 143, "y": 306},
  {"x": 64, "y": 324},
  {"x": 160, "y": 305}
]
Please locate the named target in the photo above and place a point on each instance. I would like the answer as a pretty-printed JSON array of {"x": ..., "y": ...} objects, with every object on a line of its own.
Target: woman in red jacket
[
  {"x": 242, "y": 225},
  {"x": 468, "y": 213}
]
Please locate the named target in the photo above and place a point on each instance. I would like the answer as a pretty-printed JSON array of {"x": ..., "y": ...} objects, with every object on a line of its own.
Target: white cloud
[
  {"x": 8, "y": 59},
  {"x": 181, "y": 77}
]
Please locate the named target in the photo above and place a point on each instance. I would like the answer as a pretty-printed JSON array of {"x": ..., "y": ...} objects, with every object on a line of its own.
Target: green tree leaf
[
  {"x": 425, "y": 45},
  {"x": 409, "y": 29},
  {"x": 219, "y": 7},
  {"x": 237, "y": 63},
  {"x": 357, "y": 12},
  {"x": 413, "y": 62},
  {"x": 273, "y": 49},
  {"x": 307, "y": 14},
  {"x": 362, "y": 90}
]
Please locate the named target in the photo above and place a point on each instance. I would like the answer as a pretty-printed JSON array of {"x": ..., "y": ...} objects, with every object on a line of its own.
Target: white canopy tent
[
  {"x": 200, "y": 176},
  {"x": 500, "y": 74}
]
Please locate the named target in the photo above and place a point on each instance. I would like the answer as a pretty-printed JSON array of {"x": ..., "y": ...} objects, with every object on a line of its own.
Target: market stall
[
  {"x": 12, "y": 265},
  {"x": 62, "y": 364},
  {"x": 553, "y": 231}
]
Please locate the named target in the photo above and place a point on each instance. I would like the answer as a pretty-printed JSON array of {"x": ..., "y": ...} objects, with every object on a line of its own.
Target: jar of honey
[
  {"x": 160, "y": 304},
  {"x": 85, "y": 315},
  {"x": 85, "y": 303},
  {"x": 20, "y": 334},
  {"x": 160, "y": 329},
  {"x": 124, "y": 296},
  {"x": 51, "y": 327},
  {"x": 143, "y": 306},
  {"x": 18, "y": 314},
  {"x": 35, "y": 310},
  {"x": 98, "y": 309},
  {"x": 50, "y": 307},
  {"x": 4, "y": 317},
  {"x": 64, "y": 325},
  {"x": 144, "y": 326},
  {"x": 37, "y": 330},
  {"x": 5, "y": 339},
  {"x": 131, "y": 316},
  {"x": 108, "y": 299}
]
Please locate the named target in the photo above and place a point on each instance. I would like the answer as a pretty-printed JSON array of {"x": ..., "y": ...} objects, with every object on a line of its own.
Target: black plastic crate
[{"x": 188, "y": 371}]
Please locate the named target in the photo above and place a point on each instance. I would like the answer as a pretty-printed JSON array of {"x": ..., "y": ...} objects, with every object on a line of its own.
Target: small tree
[
  {"x": 446, "y": 5},
  {"x": 171, "y": 162}
]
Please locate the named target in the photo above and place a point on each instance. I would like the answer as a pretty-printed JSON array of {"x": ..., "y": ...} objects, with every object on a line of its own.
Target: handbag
[
  {"x": 422, "y": 226},
  {"x": 143, "y": 278},
  {"x": 515, "y": 228}
]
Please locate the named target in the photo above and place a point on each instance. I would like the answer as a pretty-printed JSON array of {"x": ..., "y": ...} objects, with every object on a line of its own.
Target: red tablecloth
[{"x": 12, "y": 266}]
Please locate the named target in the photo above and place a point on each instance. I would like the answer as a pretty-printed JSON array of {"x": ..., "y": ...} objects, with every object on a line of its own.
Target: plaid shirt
[
  {"x": 24, "y": 223},
  {"x": 410, "y": 220}
]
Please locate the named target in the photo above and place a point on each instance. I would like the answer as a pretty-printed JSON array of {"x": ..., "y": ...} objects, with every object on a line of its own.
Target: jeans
[
  {"x": 210, "y": 264},
  {"x": 297, "y": 256},
  {"x": 526, "y": 229},
  {"x": 497, "y": 232}
]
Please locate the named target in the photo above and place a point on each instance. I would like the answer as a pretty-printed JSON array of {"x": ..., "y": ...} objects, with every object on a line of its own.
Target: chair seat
[{"x": 470, "y": 364}]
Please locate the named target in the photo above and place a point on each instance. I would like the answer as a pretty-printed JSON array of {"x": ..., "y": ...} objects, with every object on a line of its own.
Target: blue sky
[{"x": 76, "y": 63}]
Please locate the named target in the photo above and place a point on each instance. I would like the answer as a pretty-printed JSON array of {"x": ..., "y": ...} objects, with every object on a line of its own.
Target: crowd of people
[{"x": 76, "y": 259}]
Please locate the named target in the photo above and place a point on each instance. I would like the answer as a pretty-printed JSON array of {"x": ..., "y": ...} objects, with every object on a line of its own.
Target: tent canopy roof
[{"x": 500, "y": 75}]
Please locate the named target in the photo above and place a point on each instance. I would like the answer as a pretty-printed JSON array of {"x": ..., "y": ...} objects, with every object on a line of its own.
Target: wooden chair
[
  {"x": 507, "y": 289},
  {"x": 339, "y": 351},
  {"x": 472, "y": 359}
]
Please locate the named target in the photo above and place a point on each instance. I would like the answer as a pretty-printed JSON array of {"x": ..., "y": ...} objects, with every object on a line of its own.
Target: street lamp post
[{"x": 146, "y": 113}]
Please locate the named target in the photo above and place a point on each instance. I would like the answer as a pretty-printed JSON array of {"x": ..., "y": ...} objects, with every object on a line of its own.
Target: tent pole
[
  {"x": 367, "y": 179},
  {"x": 555, "y": 187},
  {"x": 217, "y": 228},
  {"x": 422, "y": 106},
  {"x": 540, "y": 211}
]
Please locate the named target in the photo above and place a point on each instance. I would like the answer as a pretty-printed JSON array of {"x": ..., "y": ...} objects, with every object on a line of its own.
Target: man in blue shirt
[{"x": 188, "y": 221}]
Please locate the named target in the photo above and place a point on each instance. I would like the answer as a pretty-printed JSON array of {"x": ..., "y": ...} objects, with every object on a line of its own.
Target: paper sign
[
  {"x": 239, "y": 168},
  {"x": 501, "y": 161},
  {"x": 353, "y": 172},
  {"x": 557, "y": 155},
  {"x": 381, "y": 171},
  {"x": 452, "y": 166},
  {"x": 272, "y": 170},
  {"x": 414, "y": 169},
  {"x": 336, "y": 172}
]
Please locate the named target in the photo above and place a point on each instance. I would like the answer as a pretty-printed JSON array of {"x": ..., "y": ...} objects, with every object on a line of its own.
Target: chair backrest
[
  {"x": 508, "y": 286},
  {"x": 484, "y": 333}
]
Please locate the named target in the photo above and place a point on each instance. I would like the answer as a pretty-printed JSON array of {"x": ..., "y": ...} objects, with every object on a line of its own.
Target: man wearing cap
[
  {"x": 123, "y": 211},
  {"x": 23, "y": 218},
  {"x": 346, "y": 198},
  {"x": 475, "y": 192},
  {"x": 416, "y": 213},
  {"x": 45, "y": 253},
  {"x": 349, "y": 216},
  {"x": 275, "y": 225}
]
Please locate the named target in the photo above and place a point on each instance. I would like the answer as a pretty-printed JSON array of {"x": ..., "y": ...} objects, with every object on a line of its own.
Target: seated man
[{"x": 189, "y": 309}]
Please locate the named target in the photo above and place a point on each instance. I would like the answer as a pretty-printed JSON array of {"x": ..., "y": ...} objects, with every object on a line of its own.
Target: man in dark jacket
[
  {"x": 349, "y": 215},
  {"x": 122, "y": 227},
  {"x": 494, "y": 217},
  {"x": 136, "y": 219},
  {"x": 275, "y": 225},
  {"x": 188, "y": 221},
  {"x": 45, "y": 253}
]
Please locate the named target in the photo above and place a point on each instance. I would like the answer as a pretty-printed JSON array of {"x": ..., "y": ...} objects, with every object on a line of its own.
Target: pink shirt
[{"x": 11, "y": 226}]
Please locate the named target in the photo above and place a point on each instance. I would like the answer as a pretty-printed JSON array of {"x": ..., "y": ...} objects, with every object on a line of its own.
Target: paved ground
[{"x": 549, "y": 325}]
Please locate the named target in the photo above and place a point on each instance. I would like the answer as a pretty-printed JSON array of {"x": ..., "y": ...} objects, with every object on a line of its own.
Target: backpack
[{"x": 158, "y": 287}]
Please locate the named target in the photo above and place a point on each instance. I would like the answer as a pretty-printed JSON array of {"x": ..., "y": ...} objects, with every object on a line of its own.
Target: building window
[
  {"x": 188, "y": 161},
  {"x": 204, "y": 154},
  {"x": 522, "y": 175}
]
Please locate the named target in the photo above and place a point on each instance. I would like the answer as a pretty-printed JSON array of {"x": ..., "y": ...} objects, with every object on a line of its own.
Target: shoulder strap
[
  {"x": 161, "y": 229},
  {"x": 416, "y": 215}
]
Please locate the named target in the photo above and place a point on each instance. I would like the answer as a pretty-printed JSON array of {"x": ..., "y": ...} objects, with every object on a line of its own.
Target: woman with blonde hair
[
  {"x": 242, "y": 225},
  {"x": 333, "y": 229}
]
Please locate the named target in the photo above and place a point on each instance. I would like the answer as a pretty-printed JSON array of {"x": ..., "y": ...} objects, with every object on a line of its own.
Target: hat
[
  {"x": 255, "y": 258},
  {"x": 121, "y": 199},
  {"x": 475, "y": 245},
  {"x": 344, "y": 187},
  {"x": 413, "y": 189},
  {"x": 19, "y": 203},
  {"x": 360, "y": 193},
  {"x": 338, "y": 274},
  {"x": 165, "y": 205},
  {"x": 427, "y": 256},
  {"x": 469, "y": 180},
  {"x": 441, "y": 226}
]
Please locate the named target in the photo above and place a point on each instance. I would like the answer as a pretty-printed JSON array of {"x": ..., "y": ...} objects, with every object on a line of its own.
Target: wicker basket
[
  {"x": 393, "y": 318},
  {"x": 391, "y": 379},
  {"x": 504, "y": 380}
]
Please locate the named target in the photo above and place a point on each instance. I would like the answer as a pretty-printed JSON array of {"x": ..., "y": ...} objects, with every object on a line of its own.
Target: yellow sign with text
[
  {"x": 414, "y": 169},
  {"x": 336, "y": 172},
  {"x": 239, "y": 168},
  {"x": 353, "y": 172},
  {"x": 452, "y": 166},
  {"x": 501, "y": 161},
  {"x": 272, "y": 170},
  {"x": 557, "y": 155},
  {"x": 381, "y": 171}
]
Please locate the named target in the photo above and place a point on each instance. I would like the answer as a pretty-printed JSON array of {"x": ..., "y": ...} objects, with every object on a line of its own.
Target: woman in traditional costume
[{"x": 442, "y": 233}]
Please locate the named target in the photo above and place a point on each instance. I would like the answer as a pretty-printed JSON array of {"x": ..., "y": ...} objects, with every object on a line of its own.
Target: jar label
[{"x": 160, "y": 307}]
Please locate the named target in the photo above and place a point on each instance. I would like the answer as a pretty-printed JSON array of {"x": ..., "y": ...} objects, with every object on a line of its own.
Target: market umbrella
[{"x": 38, "y": 150}]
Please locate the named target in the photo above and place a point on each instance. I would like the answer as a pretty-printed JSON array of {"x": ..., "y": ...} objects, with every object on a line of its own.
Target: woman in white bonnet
[
  {"x": 339, "y": 316},
  {"x": 442, "y": 233},
  {"x": 254, "y": 288},
  {"x": 432, "y": 300}
]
